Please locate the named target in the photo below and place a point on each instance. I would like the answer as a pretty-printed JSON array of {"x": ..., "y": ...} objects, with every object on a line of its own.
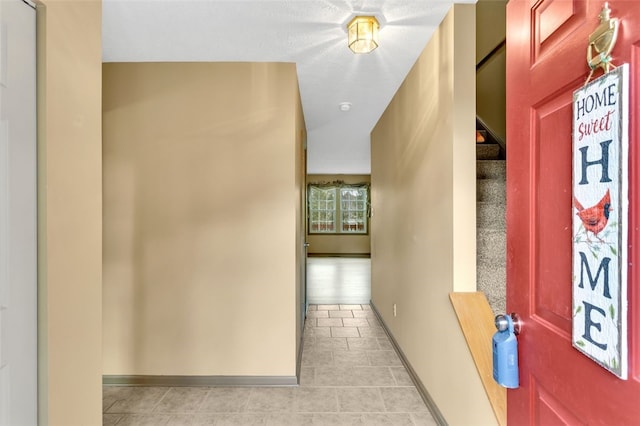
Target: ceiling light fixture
[
  {"x": 363, "y": 34},
  {"x": 344, "y": 106}
]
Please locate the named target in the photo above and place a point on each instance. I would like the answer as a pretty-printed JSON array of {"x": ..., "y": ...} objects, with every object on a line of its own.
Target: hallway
[{"x": 350, "y": 375}]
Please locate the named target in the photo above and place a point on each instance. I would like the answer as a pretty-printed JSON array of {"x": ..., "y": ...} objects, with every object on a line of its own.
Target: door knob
[
  {"x": 502, "y": 324},
  {"x": 306, "y": 244}
]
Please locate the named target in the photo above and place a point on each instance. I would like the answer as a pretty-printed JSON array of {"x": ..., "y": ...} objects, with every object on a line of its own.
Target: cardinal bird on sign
[{"x": 595, "y": 218}]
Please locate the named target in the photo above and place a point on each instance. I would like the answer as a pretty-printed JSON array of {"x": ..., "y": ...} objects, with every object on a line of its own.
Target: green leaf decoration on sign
[
  {"x": 580, "y": 343},
  {"x": 613, "y": 250},
  {"x": 612, "y": 311},
  {"x": 578, "y": 309},
  {"x": 614, "y": 362}
]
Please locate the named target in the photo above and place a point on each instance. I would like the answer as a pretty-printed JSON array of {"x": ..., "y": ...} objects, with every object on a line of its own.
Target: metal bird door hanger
[{"x": 600, "y": 204}]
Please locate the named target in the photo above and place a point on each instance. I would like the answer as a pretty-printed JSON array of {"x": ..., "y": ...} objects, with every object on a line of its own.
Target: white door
[{"x": 18, "y": 332}]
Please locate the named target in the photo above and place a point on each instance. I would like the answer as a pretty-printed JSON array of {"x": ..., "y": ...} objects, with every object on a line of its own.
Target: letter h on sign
[{"x": 603, "y": 162}]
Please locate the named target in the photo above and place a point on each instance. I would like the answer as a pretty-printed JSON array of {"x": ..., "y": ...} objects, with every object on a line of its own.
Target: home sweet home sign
[{"x": 600, "y": 204}]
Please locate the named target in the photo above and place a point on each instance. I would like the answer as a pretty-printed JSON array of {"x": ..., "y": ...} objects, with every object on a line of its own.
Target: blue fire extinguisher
[{"x": 505, "y": 352}]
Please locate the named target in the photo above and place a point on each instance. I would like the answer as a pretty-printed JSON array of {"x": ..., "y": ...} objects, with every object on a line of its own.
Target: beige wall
[
  {"x": 339, "y": 244},
  {"x": 69, "y": 213},
  {"x": 201, "y": 206},
  {"x": 491, "y": 19},
  {"x": 423, "y": 235},
  {"x": 491, "y": 94},
  {"x": 491, "y": 79}
]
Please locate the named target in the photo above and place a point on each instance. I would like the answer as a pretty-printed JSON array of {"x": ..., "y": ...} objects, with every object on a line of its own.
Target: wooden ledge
[{"x": 476, "y": 320}]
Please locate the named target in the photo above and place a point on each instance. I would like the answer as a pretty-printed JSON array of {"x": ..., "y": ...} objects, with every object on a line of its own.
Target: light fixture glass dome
[{"x": 363, "y": 34}]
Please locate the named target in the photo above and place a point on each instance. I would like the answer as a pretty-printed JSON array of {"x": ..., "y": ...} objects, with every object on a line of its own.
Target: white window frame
[{"x": 330, "y": 216}]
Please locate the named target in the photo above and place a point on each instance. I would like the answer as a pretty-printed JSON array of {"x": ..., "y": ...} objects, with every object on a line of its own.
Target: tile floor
[{"x": 350, "y": 375}]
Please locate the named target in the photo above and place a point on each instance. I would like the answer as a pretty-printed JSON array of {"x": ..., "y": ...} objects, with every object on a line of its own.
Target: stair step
[
  {"x": 487, "y": 151},
  {"x": 491, "y": 169},
  {"x": 491, "y": 281},
  {"x": 490, "y": 215},
  {"x": 492, "y": 190},
  {"x": 491, "y": 246}
]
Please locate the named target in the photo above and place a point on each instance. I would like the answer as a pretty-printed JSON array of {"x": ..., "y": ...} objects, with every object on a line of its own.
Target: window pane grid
[
  {"x": 322, "y": 202},
  {"x": 338, "y": 210},
  {"x": 354, "y": 214}
]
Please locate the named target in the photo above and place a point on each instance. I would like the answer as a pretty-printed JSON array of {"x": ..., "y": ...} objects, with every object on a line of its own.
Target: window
[{"x": 338, "y": 209}]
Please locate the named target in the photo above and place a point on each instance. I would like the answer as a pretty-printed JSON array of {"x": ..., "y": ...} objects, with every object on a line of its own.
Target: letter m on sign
[{"x": 593, "y": 282}]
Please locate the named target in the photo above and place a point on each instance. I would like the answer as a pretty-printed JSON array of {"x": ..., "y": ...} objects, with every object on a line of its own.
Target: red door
[{"x": 546, "y": 61}]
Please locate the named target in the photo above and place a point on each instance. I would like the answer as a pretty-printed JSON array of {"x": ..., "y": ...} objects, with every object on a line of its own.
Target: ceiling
[{"x": 311, "y": 33}]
